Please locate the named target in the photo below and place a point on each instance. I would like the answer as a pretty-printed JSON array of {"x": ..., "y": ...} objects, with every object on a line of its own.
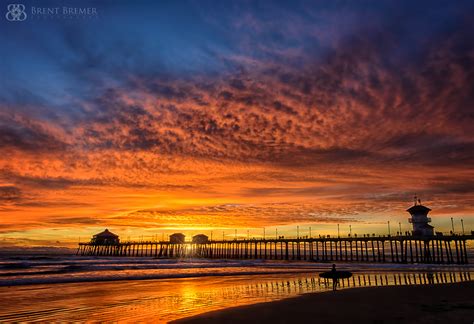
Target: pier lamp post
[
  {"x": 310, "y": 232},
  {"x": 388, "y": 224},
  {"x": 297, "y": 232},
  {"x": 462, "y": 226},
  {"x": 264, "y": 233},
  {"x": 400, "y": 227},
  {"x": 338, "y": 231},
  {"x": 211, "y": 235},
  {"x": 276, "y": 233},
  {"x": 452, "y": 225},
  {"x": 248, "y": 235},
  {"x": 223, "y": 236},
  {"x": 350, "y": 230}
]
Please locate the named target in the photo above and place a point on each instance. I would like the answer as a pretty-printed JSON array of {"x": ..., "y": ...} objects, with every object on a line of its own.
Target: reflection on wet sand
[{"x": 164, "y": 300}]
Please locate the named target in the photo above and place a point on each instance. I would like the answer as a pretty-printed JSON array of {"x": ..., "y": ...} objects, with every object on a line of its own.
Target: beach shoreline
[
  {"x": 193, "y": 288},
  {"x": 400, "y": 304}
]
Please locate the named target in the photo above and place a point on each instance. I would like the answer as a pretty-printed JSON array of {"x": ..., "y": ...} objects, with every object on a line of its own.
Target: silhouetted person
[
  {"x": 335, "y": 275},
  {"x": 335, "y": 279}
]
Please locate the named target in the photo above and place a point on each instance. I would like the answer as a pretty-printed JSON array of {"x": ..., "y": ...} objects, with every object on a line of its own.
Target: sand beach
[{"x": 447, "y": 303}]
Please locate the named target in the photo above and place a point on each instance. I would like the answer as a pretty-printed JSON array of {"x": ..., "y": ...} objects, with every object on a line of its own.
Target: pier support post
[
  {"x": 465, "y": 252},
  {"x": 458, "y": 261}
]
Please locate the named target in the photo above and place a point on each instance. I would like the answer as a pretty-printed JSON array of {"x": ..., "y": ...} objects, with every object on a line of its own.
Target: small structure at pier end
[
  {"x": 200, "y": 239},
  {"x": 105, "y": 238},
  {"x": 420, "y": 220},
  {"x": 177, "y": 238}
]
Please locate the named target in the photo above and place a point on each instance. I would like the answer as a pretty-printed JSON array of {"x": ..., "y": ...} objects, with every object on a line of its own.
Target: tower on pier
[{"x": 420, "y": 220}]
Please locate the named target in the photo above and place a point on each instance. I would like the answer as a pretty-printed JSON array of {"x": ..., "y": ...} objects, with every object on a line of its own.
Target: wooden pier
[{"x": 395, "y": 249}]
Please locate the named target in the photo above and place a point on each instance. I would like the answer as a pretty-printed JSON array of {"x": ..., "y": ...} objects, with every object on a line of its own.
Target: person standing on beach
[
  {"x": 335, "y": 275},
  {"x": 335, "y": 279}
]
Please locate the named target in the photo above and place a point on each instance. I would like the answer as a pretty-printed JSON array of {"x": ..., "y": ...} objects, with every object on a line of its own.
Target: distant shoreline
[{"x": 441, "y": 303}]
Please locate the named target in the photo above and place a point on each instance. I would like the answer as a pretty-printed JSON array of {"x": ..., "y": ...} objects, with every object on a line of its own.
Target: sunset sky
[{"x": 154, "y": 117}]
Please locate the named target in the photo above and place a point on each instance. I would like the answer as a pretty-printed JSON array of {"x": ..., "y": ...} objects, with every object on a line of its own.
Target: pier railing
[{"x": 394, "y": 249}]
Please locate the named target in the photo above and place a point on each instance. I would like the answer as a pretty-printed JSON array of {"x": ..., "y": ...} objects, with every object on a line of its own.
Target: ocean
[{"x": 62, "y": 286}]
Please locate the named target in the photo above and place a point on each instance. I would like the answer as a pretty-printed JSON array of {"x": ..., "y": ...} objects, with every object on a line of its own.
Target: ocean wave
[
  {"x": 64, "y": 269},
  {"x": 126, "y": 276},
  {"x": 15, "y": 265}
]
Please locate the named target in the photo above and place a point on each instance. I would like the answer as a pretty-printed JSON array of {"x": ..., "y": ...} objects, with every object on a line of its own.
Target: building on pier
[
  {"x": 177, "y": 238},
  {"x": 105, "y": 237},
  {"x": 200, "y": 239},
  {"x": 420, "y": 220}
]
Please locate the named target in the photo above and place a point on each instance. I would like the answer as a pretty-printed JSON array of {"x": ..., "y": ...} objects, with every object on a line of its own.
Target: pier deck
[{"x": 395, "y": 249}]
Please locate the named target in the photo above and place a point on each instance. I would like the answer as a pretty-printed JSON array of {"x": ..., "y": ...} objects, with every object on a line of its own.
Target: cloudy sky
[{"x": 160, "y": 116}]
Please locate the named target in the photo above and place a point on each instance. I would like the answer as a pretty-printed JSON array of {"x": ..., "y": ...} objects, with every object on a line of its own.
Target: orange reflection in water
[{"x": 165, "y": 300}]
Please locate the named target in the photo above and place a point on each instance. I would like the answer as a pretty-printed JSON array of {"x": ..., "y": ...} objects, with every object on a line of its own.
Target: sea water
[{"x": 62, "y": 286}]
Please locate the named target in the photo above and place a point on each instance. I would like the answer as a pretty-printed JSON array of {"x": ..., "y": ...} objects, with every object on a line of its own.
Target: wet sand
[
  {"x": 447, "y": 303},
  {"x": 146, "y": 301}
]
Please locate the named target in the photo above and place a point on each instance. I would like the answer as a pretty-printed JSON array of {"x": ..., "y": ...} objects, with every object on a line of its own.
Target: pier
[{"x": 437, "y": 249}]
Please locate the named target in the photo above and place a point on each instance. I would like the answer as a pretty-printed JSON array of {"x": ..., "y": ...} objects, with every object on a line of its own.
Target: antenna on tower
[
  {"x": 419, "y": 201},
  {"x": 415, "y": 198}
]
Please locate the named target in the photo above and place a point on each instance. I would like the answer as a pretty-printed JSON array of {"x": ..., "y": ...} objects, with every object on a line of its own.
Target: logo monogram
[{"x": 16, "y": 12}]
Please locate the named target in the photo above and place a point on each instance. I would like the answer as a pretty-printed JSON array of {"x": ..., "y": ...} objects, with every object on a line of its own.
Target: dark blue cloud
[{"x": 292, "y": 75}]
